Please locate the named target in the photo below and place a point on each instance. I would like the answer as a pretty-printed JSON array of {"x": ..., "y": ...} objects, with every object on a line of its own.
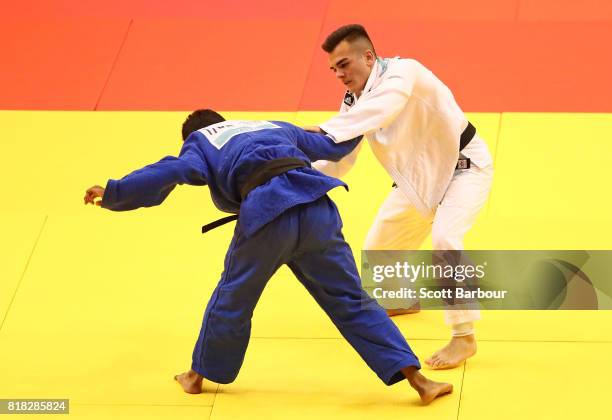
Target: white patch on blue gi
[{"x": 219, "y": 134}]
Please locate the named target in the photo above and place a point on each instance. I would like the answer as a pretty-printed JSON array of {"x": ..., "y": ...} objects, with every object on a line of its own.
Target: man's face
[{"x": 352, "y": 63}]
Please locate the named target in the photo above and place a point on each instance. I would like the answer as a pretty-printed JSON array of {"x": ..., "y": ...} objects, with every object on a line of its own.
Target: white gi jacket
[{"x": 413, "y": 126}]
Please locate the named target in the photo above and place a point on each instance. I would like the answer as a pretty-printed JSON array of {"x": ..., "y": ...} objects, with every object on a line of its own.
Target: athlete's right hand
[{"x": 92, "y": 193}]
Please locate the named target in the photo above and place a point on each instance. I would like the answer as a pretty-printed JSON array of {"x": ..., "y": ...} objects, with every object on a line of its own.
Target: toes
[
  {"x": 441, "y": 364},
  {"x": 446, "y": 364},
  {"x": 433, "y": 360},
  {"x": 445, "y": 389}
]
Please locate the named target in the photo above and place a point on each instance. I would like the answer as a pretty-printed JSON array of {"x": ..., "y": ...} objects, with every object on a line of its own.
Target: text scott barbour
[{"x": 425, "y": 293}]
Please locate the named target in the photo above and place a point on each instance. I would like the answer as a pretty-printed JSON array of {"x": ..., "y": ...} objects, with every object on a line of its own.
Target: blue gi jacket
[{"x": 222, "y": 156}]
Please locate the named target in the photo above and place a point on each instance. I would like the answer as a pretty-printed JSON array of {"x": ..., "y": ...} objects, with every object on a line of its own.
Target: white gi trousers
[{"x": 399, "y": 226}]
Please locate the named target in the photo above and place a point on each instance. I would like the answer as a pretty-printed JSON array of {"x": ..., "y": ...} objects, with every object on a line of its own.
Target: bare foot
[
  {"x": 416, "y": 308},
  {"x": 454, "y": 353},
  {"x": 190, "y": 381},
  {"x": 428, "y": 390}
]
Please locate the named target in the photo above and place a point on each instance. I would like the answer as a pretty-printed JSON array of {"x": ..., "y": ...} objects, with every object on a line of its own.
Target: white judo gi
[{"x": 413, "y": 125}]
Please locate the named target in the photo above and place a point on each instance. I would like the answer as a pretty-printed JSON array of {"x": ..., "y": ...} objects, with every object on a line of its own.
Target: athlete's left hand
[{"x": 313, "y": 129}]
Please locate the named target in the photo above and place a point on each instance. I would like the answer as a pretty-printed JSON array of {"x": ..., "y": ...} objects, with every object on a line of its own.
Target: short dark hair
[
  {"x": 200, "y": 119},
  {"x": 349, "y": 33}
]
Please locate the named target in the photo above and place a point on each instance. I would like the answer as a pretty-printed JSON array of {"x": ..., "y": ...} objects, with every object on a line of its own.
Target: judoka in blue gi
[{"x": 260, "y": 171}]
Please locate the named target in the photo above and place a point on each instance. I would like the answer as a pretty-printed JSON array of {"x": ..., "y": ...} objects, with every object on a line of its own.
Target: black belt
[
  {"x": 466, "y": 137},
  {"x": 259, "y": 176},
  {"x": 269, "y": 170}
]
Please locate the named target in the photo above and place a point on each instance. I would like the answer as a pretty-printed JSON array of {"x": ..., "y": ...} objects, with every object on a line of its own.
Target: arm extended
[
  {"x": 321, "y": 147},
  {"x": 375, "y": 109},
  {"x": 340, "y": 168},
  {"x": 151, "y": 185}
]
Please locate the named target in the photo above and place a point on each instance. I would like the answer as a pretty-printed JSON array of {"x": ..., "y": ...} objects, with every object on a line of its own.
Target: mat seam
[
  {"x": 24, "y": 272},
  {"x": 114, "y": 64},
  {"x": 312, "y": 56},
  {"x": 461, "y": 388}
]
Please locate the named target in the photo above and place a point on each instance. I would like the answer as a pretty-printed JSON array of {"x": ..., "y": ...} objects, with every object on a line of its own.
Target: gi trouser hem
[
  {"x": 395, "y": 375},
  {"x": 217, "y": 378}
]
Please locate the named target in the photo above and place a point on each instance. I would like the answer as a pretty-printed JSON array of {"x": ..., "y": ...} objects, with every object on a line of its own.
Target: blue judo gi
[{"x": 287, "y": 220}]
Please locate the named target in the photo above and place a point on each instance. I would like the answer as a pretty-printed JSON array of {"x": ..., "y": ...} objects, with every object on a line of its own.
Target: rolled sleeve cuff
[{"x": 110, "y": 194}]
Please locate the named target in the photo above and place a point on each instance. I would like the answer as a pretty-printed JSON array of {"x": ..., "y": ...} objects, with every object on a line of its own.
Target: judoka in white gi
[{"x": 414, "y": 127}]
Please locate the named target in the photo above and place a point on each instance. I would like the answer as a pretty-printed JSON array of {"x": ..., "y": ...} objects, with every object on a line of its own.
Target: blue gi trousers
[{"x": 308, "y": 238}]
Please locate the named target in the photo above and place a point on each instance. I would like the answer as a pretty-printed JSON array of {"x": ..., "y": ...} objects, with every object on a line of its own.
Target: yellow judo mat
[{"x": 103, "y": 308}]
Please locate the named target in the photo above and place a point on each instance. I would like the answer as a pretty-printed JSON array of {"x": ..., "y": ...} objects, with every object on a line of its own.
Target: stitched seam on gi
[{"x": 212, "y": 307}]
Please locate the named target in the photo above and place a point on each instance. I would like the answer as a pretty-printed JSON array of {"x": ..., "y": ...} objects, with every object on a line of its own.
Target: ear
[{"x": 370, "y": 58}]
